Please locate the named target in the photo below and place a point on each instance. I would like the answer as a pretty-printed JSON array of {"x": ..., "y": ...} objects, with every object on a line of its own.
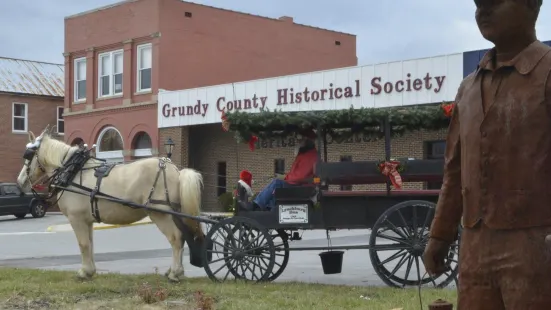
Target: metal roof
[{"x": 31, "y": 77}]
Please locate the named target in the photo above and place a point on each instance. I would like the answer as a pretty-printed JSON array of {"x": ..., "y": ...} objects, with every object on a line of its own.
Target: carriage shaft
[
  {"x": 348, "y": 247},
  {"x": 140, "y": 206}
]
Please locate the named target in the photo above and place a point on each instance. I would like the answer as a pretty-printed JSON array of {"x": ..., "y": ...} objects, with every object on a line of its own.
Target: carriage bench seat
[
  {"x": 422, "y": 192},
  {"x": 299, "y": 193}
]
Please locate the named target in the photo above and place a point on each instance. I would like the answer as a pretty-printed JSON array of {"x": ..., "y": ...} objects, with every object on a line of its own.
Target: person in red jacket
[{"x": 303, "y": 168}]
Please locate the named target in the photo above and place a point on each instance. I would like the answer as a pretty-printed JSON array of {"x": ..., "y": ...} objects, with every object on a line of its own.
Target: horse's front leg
[{"x": 84, "y": 234}]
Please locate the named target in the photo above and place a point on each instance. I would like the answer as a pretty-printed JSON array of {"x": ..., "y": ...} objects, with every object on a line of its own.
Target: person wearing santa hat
[
  {"x": 303, "y": 168},
  {"x": 246, "y": 180}
]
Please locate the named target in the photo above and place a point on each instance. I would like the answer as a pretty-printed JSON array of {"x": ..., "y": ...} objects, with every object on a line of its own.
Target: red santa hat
[{"x": 246, "y": 177}]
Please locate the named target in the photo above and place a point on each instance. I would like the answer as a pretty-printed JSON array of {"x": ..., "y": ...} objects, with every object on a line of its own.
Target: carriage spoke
[
  {"x": 402, "y": 241},
  {"x": 426, "y": 222},
  {"x": 396, "y": 229},
  {"x": 399, "y": 265},
  {"x": 393, "y": 257},
  {"x": 408, "y": 270},
  {"x": 419, "y": 277},
  {"x": 405, "y": 223},
  {"x": 221, "y": 259},
  {"x": 414, "y": 224}
]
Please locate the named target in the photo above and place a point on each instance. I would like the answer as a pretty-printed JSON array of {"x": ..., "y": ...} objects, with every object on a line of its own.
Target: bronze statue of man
[{"x": 497, "y": 174}]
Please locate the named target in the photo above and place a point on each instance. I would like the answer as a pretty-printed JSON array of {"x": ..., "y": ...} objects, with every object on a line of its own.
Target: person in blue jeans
[{"x": 303, "y": 168}]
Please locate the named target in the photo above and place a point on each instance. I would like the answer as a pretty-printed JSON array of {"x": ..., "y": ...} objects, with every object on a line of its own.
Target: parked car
[{"x": 15, "y": 202}]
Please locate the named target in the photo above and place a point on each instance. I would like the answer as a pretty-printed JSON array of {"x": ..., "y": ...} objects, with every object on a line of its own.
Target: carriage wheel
[
  {"x": 247, "y": 250},
  {"x": 281, "y": 259},
  {"x": 281, "y": 243},
  {"x": 398, "y": 240}
]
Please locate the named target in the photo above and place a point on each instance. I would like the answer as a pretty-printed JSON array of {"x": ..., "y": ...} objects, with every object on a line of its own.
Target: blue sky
[{"x": 386, "y": 30}]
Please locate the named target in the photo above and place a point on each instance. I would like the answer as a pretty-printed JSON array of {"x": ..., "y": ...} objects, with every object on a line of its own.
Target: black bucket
[
  {"x": 197, "y": 250},
  {"x": 331, "y": 261}
]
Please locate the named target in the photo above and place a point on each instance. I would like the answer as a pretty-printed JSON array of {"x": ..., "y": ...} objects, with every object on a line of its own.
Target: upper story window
[
  {"x": 20, "y": 117},
  {"x": 60, "y": 121},
  {"x": 80, "y": 79},
  {"x": 110, "y": 67},
  {"x": 144, "y": 67}
]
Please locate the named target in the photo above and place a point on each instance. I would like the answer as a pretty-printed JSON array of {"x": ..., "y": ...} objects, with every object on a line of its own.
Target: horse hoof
[
  {"x": 83, "y": 275},
  {"x": 173, "y": 279}
]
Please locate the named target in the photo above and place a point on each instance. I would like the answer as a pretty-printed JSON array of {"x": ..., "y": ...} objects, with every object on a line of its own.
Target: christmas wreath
[{"x": 339, "y": 124}]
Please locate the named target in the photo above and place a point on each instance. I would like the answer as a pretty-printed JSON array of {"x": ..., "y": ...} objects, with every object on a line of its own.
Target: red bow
[
  {"x": 252, "y": 142},
  {"x": 390, "y": 169},
  {"x": 225, "y": 122},
  {"x": 448, "y": 109}
]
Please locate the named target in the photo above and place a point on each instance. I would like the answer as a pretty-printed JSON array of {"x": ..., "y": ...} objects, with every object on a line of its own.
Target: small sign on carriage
[{"x": 290, "y": 214}]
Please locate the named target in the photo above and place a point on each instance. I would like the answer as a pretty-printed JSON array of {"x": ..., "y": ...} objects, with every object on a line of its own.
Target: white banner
[{"x": 401, "y": 83}]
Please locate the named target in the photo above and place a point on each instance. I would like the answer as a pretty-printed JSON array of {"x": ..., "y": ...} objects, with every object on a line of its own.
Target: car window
[{"x": 11, "y": 190}]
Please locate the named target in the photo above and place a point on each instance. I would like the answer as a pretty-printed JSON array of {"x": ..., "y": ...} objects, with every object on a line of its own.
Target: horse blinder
[{"x": 29, "y": 154}]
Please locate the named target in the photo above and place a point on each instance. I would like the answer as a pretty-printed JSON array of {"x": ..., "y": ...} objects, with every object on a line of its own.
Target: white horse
[{"x": 129, "y": 182}]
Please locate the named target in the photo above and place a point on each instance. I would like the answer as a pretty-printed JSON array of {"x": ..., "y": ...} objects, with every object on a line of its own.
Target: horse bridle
[{"x": 29, "y": 155}]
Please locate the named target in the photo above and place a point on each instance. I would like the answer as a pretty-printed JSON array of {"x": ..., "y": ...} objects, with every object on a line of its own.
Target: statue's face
[{"x": 500, "y": 20}]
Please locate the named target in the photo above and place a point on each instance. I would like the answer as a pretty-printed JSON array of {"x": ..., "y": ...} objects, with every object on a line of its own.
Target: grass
[{"x": 40, "y": 289}]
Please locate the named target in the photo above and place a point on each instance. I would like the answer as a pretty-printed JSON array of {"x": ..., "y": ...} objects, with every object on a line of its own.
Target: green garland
[{"x": 339, "y": 124}]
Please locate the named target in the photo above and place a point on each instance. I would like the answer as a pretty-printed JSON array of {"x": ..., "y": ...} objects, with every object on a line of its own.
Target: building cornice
[{"x": 106, "y": 110}]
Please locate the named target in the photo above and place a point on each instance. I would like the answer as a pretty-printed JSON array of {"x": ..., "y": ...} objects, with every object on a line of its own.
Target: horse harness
[{"x": 64, "y": 176}]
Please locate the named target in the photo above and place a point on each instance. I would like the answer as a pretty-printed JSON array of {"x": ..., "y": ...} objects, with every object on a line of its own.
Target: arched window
[
  {"x": 110, "y": 145},
  {"x": 77, "y": 141},
  {"x": 142, "y": 145}
]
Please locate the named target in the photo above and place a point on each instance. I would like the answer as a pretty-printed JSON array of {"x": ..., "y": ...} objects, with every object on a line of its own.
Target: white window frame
[
  {"x": 60, "y": 119},
  {"x": 75, "y": 73},
  {"x": 110, "y": 156},
  {"x": 139, "y": 70},
  {"x": 26, "y": 117},
  {"x": 111, "y": 55}
]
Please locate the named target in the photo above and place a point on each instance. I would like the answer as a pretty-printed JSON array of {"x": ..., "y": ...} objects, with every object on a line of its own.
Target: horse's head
[{"x": 34, "y": 168}]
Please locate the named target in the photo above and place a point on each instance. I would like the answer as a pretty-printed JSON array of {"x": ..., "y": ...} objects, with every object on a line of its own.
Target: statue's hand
[{"x": 435, "y": 256}]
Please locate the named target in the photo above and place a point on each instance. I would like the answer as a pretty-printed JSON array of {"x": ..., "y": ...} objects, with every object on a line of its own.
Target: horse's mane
[{"x": 53, "y": 152}]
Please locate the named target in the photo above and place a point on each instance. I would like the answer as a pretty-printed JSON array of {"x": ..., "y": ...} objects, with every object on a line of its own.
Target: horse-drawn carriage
[
  {"x": 399, "y": 219},
  {"x": 254, "y": 245}
]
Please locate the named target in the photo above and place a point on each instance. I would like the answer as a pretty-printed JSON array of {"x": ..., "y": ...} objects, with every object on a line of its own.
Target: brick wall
[
  {"x": 41, "y": 112},
  {"x": 208, "y": 145},
  {"x": 180, "y": 137}
]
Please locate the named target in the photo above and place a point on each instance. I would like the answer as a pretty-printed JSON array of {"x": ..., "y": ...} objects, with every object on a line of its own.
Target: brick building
[
  {"x": 220, "y": 157},
  {"x": 118, "y": 57},
  {"x": 31, "y": 97}
]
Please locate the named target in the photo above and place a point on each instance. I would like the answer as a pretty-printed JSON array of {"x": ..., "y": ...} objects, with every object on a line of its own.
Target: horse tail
[{"x": 191, "y": 183}]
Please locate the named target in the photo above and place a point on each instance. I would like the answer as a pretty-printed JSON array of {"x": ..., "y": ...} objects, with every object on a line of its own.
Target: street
[{"x": 141, "y": 249}]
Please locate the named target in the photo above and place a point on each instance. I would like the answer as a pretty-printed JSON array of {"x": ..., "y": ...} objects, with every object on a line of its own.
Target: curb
[{"x": 145, "y": 221}]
